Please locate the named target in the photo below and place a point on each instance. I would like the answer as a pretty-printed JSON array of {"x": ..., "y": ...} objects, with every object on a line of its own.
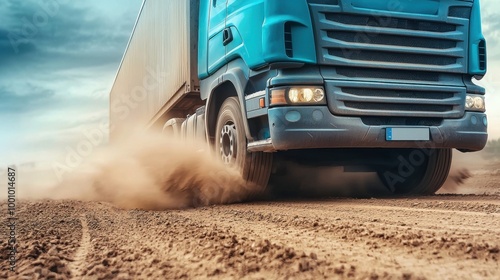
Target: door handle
[{"x": 227, "y": 36}]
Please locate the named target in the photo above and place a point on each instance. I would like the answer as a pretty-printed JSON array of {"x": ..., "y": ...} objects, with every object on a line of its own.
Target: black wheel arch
[{"x": 227, "y": 82}]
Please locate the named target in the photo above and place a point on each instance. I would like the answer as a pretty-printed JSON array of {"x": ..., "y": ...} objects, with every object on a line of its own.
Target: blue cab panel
[
  {"x": 267, "y": 31},
  {"x": 382, "y": 63},
  {"x": 204, "y": 15},
  {"x": 262, "y": 31},
  {"x": 477, "y": 50}
]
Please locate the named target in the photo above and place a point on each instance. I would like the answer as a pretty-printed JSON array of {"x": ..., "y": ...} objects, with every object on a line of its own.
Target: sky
[{"x": 58, "y": 60}]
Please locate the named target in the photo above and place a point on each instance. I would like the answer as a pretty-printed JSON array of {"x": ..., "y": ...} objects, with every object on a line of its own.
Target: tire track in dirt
[
  {"x": 428, "y": 249},
  {"x": 342, "y": 257},
  {"x": 326, "y": 239},
  {"x": 483, "y": 222},
  {"x": 469, "y": 229},
  {"x": 135, "y": 244},
  {"x": 79, "y": 260}
]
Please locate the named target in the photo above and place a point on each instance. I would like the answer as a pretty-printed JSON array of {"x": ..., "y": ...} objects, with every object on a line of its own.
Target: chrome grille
[
  {"x": 391, "y": 41},
  {"x": 397, "y": 100},
  {"x": 380, "y": 63}
]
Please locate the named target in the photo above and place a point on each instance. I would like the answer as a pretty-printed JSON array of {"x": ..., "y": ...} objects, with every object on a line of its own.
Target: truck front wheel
[
  {"x": 417, "y": 171},
  {"x": 231, "y": 146}
]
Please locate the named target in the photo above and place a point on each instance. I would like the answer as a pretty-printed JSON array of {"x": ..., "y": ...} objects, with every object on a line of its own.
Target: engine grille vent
[
  {"x": 391, "y": 42},
  {"x": 460, "y": 12},
  {"x": 395, "y": 100},
  {"x": 482, "y": 55},
  {"x": 288, "y": 39}
]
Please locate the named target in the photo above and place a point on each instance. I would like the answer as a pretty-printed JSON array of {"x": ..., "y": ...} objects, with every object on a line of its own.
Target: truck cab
[
  {"x": 387, "y": 79},
  {"x": 385, "y": 86}
]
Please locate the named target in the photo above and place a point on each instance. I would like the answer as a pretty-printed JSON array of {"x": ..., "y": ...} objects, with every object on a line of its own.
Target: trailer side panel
[{"x": 158, "y": 69}]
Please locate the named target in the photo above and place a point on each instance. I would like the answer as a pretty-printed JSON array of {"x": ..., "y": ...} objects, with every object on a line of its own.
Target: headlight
[
  {"x": 475, "y": 103},
  {"x": 298, "y": 96}
]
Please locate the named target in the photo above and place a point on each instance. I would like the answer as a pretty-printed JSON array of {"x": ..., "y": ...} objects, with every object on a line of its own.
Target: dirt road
[
  {"x": 439, "y": 237},
  {"x": 452, "y": 235}
]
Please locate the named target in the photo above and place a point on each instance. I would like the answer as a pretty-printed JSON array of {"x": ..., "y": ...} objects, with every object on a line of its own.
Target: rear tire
[
  {"x": 419, "y": 172},
  {"x": 231, "y": 146}
]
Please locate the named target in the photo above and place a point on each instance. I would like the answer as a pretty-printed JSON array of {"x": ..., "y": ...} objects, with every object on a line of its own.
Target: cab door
[{"x": 216, "y": 26}]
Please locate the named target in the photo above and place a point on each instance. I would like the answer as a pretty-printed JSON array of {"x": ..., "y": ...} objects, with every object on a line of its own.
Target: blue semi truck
[{"x": 384, "y": 86}]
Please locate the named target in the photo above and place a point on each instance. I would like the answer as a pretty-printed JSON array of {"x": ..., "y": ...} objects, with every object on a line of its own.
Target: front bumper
[{"x": 309, "y": 127}]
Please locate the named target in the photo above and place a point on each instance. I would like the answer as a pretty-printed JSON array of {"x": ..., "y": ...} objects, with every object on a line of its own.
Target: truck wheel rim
[{"x": 228, "y": 144}]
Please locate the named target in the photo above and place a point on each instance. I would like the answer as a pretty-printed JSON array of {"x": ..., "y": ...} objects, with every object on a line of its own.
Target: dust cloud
[
  {"x": 456, "y": 181},
  {"x": 152, "y": 171},
  {"x": 464, "y": 169},
  {"x": 155, "y": 172}
]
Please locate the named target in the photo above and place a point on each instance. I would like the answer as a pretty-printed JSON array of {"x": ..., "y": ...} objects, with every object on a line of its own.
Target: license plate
[{"x": 407, "y": 134}]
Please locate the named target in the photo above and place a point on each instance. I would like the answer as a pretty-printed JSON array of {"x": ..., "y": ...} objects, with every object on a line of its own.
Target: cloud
[
  {"x": 55, "y": 34},
  {"x": 53, "y": 43},
  {"x": 8, "y": 52},
  {"x": 32, "y": 99}
]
